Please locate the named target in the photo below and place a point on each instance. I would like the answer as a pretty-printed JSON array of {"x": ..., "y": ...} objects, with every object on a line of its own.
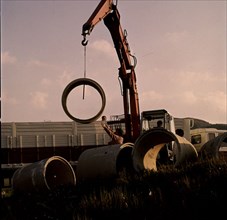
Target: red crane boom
[{"x": 108, "y": 12}]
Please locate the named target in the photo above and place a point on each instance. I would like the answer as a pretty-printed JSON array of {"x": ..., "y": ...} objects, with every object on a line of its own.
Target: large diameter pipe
[
  {"x": 79, "y": 82},
  {"x": 151, "y": 149},
  {"x": 44, "y": 175},
  {"x": 213, "y": 148},
  {"x": 104, "y": 162}
]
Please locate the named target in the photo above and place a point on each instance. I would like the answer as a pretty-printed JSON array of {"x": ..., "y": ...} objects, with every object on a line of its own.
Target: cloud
[
  {"x": 37, "y": 63},
  {"x": 9, "y": 100},
  {"x": 7, "y": 58},
  {"x": 189, "y": 98},
  {"x": 46, "y": 82},
  {"x": 188, "y": 93},
  {"x": 200, "y": 82},
  {"x": 150, "y": 99},
  {"x": 211, "y": 106},
  {"x": 195, "y": 78},
  {"x": 104, "y": 47},
  {"x": 39, "y": 100},
  {"x": 150, "y": 95},
  {"x": 175, "y": 37},
  {"x": 217, "y": 99},
  {"x": 65, "y": 78}
]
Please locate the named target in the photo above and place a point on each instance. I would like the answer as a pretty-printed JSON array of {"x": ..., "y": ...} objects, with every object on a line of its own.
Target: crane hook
[{"x": 84, "y": 41}]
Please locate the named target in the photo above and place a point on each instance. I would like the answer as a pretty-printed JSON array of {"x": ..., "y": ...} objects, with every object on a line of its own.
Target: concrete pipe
[
  {"x": 215, "y": 147},
  {"x": 44, "y": 175},
  {"x": 104, "y": 162},
  {"x": 159, "y": 146},
  {"x": 78, "y": 82}
]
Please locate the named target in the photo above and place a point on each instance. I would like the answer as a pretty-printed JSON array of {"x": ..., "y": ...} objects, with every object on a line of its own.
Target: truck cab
[{"x": 149, "y": 120}]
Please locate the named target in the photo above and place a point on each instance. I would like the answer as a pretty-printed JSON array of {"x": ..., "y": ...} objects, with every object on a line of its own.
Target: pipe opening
[
  {"x": 124, "y": 160},
  {"x": 161, "y": 147},
  {"x": 58, "y": 173},
  {"x": 82, "y": 82},
  {"x": 151, "y": 149}
]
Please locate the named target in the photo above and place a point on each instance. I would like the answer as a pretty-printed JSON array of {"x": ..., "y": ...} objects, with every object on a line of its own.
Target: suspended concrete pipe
[
  {"x": 213, "y": 148},
  {"x": 78, "y": 82},
  {"x": 150, "y": 149},
  {"x": 44, "y": 175},
  {"x": 104, "y": 162}
]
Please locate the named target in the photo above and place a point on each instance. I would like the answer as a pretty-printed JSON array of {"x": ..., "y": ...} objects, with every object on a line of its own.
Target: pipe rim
[
  {"x": 78, "y": 82},
  {"x": 54, "y": 158}
]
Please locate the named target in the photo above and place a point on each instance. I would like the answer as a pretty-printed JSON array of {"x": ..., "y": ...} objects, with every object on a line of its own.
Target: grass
[{"x": 195, "y": 191}]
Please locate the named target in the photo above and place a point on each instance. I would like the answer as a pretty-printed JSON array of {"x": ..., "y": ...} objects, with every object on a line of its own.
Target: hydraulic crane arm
[
  {"x": 103, "y": 9},
  {"x": 107, "y": 11}
]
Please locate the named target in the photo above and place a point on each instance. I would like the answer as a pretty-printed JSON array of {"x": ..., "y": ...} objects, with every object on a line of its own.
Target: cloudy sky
[{"x": 180, "y": 48}]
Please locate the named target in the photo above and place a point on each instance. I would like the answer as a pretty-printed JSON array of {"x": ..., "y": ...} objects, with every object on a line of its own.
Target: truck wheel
[{"x": 78, "y": 82}]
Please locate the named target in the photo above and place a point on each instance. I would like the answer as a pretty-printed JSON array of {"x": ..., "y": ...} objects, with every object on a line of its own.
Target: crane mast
[{"x": 108, "y": 12}]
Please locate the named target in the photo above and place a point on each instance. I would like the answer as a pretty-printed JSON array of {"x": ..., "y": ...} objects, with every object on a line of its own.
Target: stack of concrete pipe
[
  {"x": 105, "y": 162},
  {"x": 108, "y": 161}
]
